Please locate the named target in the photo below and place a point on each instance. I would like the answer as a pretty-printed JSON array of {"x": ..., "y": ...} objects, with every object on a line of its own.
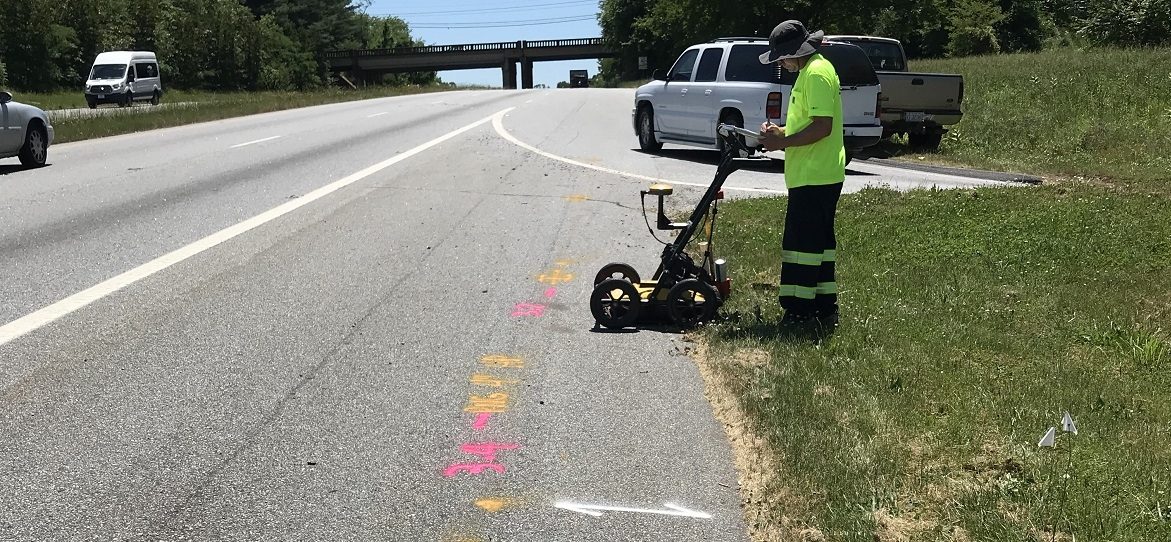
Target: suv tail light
[
  {"x": 878, "y": 106},
  {"x": 773, "y": 107}
]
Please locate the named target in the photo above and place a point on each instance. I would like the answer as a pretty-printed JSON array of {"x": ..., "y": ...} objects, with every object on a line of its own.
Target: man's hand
[{"x": 772, "y": 137}]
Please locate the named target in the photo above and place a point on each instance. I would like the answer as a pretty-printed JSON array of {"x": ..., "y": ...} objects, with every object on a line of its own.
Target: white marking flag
[{"x": 1050, "y": 439}]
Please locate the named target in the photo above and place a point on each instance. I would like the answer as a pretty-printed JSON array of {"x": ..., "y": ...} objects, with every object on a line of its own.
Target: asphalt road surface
[{"x": 359, "y": 321}]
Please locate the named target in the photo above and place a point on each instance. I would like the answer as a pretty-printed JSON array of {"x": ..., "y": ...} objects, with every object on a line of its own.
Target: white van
[{"x": 123, "y": 77}]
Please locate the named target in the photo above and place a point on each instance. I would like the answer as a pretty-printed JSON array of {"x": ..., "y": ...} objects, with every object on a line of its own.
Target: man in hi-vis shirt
[{"x": 815, "y": 167}]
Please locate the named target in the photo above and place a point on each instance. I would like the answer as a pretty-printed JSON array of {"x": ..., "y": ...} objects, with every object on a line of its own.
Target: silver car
[{"x": 25, "y": 131}]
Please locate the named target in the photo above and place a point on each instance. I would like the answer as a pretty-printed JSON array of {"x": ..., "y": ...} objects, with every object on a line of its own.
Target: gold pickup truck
[{"x": 921, "y": 105}]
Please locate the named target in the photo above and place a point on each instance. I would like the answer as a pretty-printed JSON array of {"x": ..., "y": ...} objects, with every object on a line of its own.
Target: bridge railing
[{"x": 463, "y": 48}]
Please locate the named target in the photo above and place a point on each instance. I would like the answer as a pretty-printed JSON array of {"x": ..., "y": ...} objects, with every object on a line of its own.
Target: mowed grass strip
[
  {"x": 1100, "y": 113},
  {"x": 971, "y": 320},
  {"x": 183, "y": 107}
]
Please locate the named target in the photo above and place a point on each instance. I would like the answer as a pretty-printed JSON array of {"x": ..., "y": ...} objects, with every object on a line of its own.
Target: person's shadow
[
  {"x": 759, "y": 162},
  {"x": 760, "y": 326}
]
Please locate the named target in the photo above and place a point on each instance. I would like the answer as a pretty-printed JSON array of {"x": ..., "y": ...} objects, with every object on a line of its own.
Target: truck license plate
[
  {"x": 914, "y": 116},
  {"x": 101, "y": 96}
]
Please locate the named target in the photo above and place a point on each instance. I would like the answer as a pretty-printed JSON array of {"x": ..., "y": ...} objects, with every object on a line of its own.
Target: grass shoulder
[{"x": 971, "y": 321}]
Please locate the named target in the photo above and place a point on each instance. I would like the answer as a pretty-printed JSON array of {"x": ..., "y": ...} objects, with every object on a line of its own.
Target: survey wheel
[
  {"x": 692, "y": 301},
  {"x": 615, "y": 303},
  {"x": 617, "y": 271}
]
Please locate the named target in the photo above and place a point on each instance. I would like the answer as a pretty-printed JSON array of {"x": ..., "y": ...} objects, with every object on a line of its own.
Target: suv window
[
  {"x": 683, "y": 67},
  {"x": 744, "y": 65},
  {"x": 851, "y": 63},
  {"x": 709, "y": 65}
]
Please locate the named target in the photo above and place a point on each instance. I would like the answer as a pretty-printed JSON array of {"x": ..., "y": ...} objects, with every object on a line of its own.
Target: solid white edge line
[
  {"x": 498, "y": 123},
  {"x": 31, "y": 322},
  {"x": 253, "y": 142},
  {"x": 378, "y": 114}
]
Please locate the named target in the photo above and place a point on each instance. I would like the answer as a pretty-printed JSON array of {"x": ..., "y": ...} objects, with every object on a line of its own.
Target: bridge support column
[
  {"x": 526, "y": 74},
  {"x": 509, "y": 69}
]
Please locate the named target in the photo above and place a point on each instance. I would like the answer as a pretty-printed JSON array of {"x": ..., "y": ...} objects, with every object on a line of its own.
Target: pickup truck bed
[{"x": 919, "y": 99}]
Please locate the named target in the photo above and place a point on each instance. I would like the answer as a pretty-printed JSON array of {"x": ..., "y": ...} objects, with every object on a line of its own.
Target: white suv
[{"x": 724, "y": 82}]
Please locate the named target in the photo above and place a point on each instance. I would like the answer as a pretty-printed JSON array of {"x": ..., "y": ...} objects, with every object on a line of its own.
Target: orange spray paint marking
[
  {"x": 563, "y": 263},
  {"x": 481, "y": 421},
  {"x": 490, "y": 381},
  {"x": 486, "y": 450},
  {"x": 577, "y": 198},
  {"x": 493, "y": 402},
  {"x": 503, "y": 361},
  {"x": 555, "y": 278},
  {"x": 493, "y": 504},
  {"x": 472, "y": 468},
  {"x": 528, "y": 310}
]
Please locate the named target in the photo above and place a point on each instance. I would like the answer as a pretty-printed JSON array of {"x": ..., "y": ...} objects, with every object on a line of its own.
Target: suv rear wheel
[
  {"x": 646, "y": 130},
  {"x": 734, "y": 118}
]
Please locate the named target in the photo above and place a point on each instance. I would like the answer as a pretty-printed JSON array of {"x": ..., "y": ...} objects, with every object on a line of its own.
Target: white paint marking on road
[
  {"x": 253, "y": 142},
  {"x": 498, "y": 123},
  {"x": 31, "y": 322},
  {"x": 597, "y": 510},
  {"x": 378, "y": 114}
]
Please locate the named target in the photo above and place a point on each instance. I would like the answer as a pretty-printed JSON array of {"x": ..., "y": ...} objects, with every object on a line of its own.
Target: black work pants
[{"x": 809, "y": 251}]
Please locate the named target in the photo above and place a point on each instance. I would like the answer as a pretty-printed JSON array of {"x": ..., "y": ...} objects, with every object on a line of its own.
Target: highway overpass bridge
[{"x": 364, "y": 64}]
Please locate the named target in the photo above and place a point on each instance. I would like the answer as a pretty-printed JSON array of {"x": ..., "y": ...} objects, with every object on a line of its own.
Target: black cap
[{"x": 790, "y": 40}]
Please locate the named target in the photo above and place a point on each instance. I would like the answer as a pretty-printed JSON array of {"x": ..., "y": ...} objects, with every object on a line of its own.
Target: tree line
[
  {"x": 661, "y": 29},
  {"x": 201, "y": 44}
]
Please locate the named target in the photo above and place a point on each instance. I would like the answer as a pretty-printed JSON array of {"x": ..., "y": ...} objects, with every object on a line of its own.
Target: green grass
[
  {"x": 200, "y": 107},
  {"x": 1101, "y": 113},
  {"x": 971, "y": 321}
]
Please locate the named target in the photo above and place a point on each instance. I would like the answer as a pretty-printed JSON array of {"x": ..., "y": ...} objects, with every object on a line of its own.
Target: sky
[{"x": 452, "y": 22}]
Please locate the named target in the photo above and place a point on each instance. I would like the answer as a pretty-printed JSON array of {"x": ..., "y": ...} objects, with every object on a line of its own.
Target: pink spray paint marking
[
  {"x": 528, "y": 310},
  {"x": 486, "y": 450},
  {"x": 472, "y": 468},
  {"x": 550, "y": 293},
  {"x": 481, "y": 420}
]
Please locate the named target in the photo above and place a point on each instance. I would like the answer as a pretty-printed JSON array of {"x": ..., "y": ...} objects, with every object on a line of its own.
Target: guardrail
[{"x": 464, "y": 48}]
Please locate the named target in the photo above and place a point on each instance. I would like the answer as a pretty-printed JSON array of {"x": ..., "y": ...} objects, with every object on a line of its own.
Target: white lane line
[
  {"x": 378, "y": 114},
  {"x": 498, "y": 123},
  {"x": 253, "y": 142},
  {"x": 597, "y": 510},
  {"x": 51, "y": 313}
]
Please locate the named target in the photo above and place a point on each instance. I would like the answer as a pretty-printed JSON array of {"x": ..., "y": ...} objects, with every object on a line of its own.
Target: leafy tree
[
  {"x": 284, "y": 65},
  {"x": 1128, "y": 22},
  {"x": 973, "y": 25}
]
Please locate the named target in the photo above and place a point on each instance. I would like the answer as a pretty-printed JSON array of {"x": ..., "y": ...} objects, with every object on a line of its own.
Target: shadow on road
[{"x": 5, "y": 169}]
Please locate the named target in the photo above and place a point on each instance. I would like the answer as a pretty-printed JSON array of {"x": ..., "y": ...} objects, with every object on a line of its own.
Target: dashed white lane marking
[
  {"x": 498, "y": 123},
  {"x": 51, "y": 313},
  {"x": 253, "y": 142},
  {"x": 378, "y": 114}
]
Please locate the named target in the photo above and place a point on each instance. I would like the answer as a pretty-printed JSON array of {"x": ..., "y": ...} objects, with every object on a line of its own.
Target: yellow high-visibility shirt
[{"x": 817, "y": 93}]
